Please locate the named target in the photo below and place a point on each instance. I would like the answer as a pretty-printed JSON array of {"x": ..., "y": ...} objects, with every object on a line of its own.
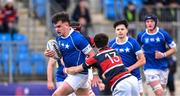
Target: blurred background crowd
[{"x": 25, "y": 28}]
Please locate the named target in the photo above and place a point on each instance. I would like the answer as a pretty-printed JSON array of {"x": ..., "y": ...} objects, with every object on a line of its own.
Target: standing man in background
[{"x": 153, "y": 40}]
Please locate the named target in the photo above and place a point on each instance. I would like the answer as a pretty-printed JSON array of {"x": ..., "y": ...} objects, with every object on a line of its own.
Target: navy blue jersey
[
  {"x": 152, "y": 42},
  {"x": 73, "y": 48},
  {"x": 128, "y": 52}
]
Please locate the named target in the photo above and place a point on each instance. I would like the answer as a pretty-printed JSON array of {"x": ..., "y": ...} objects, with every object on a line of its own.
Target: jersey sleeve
[
  {"x": 111, "y": 42},
  {"x": 136, "y": 46},
  {"x": 82, "y": 44},
  {"x": 169, "y": 40},
  {"x": 139, "y": 38}
]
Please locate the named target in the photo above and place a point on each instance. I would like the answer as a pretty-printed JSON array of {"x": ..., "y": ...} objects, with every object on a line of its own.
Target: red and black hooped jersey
[{"x": 109, "y": 64}]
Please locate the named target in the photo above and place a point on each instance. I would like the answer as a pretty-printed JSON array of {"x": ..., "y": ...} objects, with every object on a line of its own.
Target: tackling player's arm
[{"x": 76, "y": 69}]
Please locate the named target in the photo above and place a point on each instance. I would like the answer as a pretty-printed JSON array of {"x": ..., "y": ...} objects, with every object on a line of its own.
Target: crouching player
[{"x": 110, "y": 69}]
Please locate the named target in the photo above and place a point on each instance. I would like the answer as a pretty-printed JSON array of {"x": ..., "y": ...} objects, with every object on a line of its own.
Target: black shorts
[{"x": 170, "y": 83}]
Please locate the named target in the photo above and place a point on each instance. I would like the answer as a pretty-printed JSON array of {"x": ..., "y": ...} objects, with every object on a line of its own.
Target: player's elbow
[
  {"x": 174, "y": 50},
  {"x": 143, "y": 61}
]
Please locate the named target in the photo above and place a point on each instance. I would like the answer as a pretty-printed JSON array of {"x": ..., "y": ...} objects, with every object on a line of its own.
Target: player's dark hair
[
  {"x": 101, "y": 40},
  {"x": 124, "y": 22},
  {"x": 61, "y": 16}
]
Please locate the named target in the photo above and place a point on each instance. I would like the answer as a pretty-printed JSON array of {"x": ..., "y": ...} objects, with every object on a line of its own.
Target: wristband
[{"x": 164, "y": 54}]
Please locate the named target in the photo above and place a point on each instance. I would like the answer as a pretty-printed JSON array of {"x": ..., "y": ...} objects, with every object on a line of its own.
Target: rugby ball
[{"x": 52, "y": 45}]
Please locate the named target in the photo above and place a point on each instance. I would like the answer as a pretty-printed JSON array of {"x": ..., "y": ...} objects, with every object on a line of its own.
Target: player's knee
[
  {"x": 55, "y": 94},
  {"x": 163, "y": 86},
  {"x": 158, "y": 89},
  {"x": 159, "y": 92}
]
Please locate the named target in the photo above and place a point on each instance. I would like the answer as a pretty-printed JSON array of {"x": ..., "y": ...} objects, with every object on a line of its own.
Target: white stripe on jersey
[
  {"x": 139, "y": 52},
  {"x": 105, "y": 52},
  {"x": 172, "y": 45},
  {"x": 118, "y": 65},
  {"x": 162, "y": 35},
  {"x": 118, "y": 79},
  {"x": 130, "y": 44},
  {"x": 87, "y": 49}
]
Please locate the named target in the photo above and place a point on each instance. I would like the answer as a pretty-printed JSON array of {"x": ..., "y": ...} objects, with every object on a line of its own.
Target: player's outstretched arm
[{"x": 74, "y": 70}]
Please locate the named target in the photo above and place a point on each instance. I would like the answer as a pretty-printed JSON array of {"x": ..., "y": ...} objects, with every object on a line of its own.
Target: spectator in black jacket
[{"x": 81, "y": 14}]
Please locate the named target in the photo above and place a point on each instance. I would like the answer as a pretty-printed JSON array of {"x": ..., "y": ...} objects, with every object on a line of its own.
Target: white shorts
[
  {"x": 59, "y": 84},
  {"x": 140, "y": 86},
  {"x": 90, "y": 78},
  {"x": 77, "y": 81},
  {"x": 155, "y": 74},
  {"x": 90, "y": 74},
  {"x": 127, "y": 87}
]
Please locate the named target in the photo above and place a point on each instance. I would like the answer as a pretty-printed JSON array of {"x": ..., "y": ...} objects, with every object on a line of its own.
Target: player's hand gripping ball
[{"x": 52, "y": 45}]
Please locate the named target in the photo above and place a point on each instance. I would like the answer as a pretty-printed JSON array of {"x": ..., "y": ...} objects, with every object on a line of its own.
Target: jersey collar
[
  {"x": 122, "y": 42},
  {"x": 157, "y": 30},
  {"x": 70, "y": 32}
]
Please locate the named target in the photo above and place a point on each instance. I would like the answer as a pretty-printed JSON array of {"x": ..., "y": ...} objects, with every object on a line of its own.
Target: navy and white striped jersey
[{"x": 109, "y": 65}]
